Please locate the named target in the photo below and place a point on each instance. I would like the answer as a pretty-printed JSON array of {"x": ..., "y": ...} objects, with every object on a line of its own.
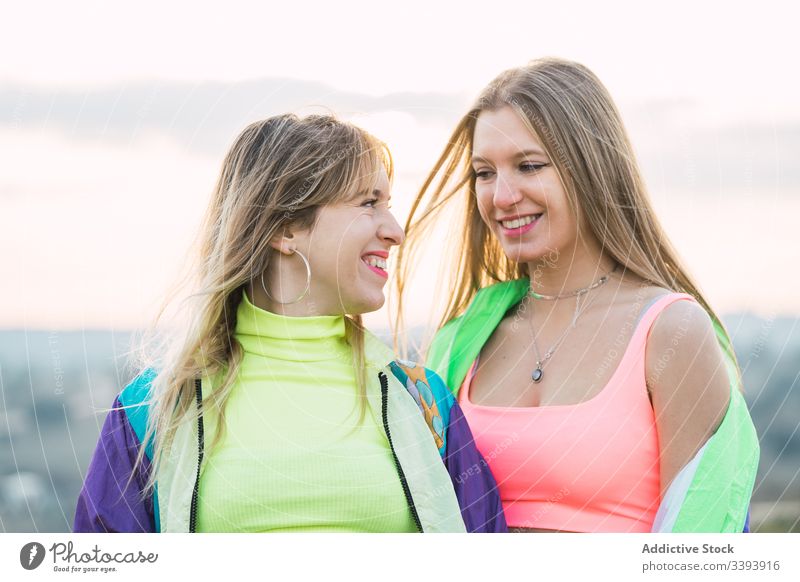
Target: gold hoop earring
[{"x": 305, "y": 291}]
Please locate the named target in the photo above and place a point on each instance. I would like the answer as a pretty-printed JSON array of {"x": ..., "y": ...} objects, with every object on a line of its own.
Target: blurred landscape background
[{"x": 55, "y": 385}]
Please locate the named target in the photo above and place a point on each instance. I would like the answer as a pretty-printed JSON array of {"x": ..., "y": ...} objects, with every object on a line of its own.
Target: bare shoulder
[
  {"x": 684, "y": 358},
  {"x": 685, "y": 326},
  {"x": 687, "y": 381}
]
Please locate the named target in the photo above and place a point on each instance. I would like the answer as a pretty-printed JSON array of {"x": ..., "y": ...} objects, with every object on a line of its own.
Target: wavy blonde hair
[
  {"x": 575, "y": 119},
  {"x": 277, "y": 174}
]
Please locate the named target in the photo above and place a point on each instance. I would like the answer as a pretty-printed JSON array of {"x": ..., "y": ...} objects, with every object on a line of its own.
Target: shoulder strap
[
  {"x": 654, "y": 308},
  {"x": 712, "y": 492}
]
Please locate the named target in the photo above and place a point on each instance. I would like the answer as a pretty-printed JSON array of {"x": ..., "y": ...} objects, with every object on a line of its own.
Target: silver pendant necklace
[{"x": 538, "y": 372}]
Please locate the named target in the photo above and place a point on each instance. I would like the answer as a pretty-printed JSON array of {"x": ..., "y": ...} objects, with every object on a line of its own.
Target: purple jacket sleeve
[
  {"x": 105, "y": 504},
  {"x": 473, "y": 482}
]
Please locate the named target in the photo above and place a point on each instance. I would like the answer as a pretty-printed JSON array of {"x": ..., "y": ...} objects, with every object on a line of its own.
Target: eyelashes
[
  {"x": 530, "y": 167},
  {"x": 374, "y": 203},
  {"x": 525, "y": 168}
]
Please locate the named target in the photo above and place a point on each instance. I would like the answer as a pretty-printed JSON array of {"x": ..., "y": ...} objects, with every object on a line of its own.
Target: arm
[
  {"x": 708, "y": 445},
  {"x": 688, "y": 384},
  {"x": 105, "y": 503}
]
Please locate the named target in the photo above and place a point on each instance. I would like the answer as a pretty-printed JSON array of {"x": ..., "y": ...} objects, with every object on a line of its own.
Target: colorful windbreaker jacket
[
  {"x": 447, "y": 483},
  {"x": 710, "y": 494}
]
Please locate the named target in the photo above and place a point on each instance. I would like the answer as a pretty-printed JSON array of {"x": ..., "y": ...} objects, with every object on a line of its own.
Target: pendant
[{"x": 537, "y": 374}]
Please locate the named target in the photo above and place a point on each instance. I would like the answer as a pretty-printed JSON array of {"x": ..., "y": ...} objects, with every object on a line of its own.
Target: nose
[
  {"x": 506, "y": 194},
  {"x": 391, "y": 231}
]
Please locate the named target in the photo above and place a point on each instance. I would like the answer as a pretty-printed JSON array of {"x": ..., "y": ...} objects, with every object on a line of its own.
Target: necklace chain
[
  {"x": 540, "y": 361},
  {"x": 578, "y": 292},
  {"x": 538, "y": 372}
]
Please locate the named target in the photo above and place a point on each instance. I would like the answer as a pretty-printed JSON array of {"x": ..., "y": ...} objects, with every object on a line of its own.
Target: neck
[
  {"x": 298, "y": 339},
  {"x": 306, "y": 307},
  {"x": 557, "y": 274}
]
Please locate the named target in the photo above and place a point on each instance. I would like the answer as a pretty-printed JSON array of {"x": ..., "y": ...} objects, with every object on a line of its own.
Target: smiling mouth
[
  {"x": 376, "y": 264},
  {"x": 519, "y": 222}
]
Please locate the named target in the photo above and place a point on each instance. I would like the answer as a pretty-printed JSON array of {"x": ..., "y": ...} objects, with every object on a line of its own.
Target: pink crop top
[{"x": 586, "y": 467}]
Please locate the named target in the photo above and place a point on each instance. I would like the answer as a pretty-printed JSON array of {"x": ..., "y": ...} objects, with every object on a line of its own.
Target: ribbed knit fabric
[{"x": 295, "y": 457}]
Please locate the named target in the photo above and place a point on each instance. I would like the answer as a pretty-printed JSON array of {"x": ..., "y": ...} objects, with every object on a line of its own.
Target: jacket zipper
[
  {"x": 200, "y": 440},
  {"x": 403, "y": 482},
  {"x": 384, "y": 413}
]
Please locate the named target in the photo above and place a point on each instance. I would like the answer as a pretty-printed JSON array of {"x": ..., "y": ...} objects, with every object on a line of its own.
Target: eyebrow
[
  {"x": 522, "y": 154},
  {"x": 377, "y": 193}
]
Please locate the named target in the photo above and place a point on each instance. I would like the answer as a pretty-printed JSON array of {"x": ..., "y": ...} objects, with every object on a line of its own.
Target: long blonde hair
[
  {"x": 277, "y": 173},
  {"x": 574, "y": 118}
]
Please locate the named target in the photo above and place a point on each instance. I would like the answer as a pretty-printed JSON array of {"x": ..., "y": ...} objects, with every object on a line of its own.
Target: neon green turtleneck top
[{"x": 294, "y": 457}]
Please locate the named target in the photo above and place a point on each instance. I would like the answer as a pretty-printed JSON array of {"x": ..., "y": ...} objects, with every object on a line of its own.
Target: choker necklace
[
  {"x": 600, "y": 281},
  {"x": 538, "y": 373}
]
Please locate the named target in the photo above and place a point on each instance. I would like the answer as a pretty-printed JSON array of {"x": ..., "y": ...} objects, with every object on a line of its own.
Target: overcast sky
[{"x": 113, "y": 124}]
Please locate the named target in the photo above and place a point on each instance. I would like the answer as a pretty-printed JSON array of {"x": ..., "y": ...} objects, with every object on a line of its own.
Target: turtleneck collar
[{"x": 299, "y": 339}]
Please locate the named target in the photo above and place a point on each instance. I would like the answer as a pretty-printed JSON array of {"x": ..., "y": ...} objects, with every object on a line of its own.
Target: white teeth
[
  {"x": 375, "y": 262},
  {"x": 519, "y": 221}
]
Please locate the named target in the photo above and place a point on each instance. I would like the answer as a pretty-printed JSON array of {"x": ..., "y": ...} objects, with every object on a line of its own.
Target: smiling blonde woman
[
  {"x": 273, "y": 409},
  {"x": 573, "y": 335}
]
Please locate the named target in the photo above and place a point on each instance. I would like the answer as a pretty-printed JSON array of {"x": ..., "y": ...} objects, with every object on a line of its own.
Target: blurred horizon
[{"x": 57, "y": 386}]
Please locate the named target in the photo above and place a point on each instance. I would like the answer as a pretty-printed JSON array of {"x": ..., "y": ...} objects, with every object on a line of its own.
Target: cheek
[
  {"x": 335, "y": 261},
  {"x": 553, "y": 195},
  {"x": 349, "y": 250},
  {"x": 563, "y": 226},
  {"x": 484, "y": 203}
]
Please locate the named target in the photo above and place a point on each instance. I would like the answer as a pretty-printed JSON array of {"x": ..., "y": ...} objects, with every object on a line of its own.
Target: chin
[
  {"x": 521, "y": 256},
  {"x": 375, "y": 305},
  {"x": 530, "y": 253},
  {"x": 366, "y": 305}
]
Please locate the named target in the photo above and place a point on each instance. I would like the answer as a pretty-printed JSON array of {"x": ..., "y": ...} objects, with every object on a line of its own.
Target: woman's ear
[{"x": 284, "y": 242}]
